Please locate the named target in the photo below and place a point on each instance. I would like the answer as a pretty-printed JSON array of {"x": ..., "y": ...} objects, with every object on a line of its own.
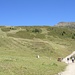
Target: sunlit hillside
[{"x": 20, "y": 46}]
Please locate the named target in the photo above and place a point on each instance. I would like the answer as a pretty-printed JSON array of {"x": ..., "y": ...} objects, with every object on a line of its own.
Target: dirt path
[{"x": 70, "y": 69}]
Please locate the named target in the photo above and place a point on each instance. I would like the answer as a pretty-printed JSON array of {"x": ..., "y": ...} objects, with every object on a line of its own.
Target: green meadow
[{"x": 20, "y": 45}]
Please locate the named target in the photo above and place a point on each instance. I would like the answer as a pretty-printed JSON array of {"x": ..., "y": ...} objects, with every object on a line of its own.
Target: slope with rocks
[{"x": 66, "y": 24}]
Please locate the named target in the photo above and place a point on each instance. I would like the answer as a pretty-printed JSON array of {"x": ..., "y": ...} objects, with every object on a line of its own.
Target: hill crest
[{"x": 68, "y": 24}]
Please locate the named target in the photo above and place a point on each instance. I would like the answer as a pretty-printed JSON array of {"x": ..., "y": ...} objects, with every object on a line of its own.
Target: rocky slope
[{"x": 66, "y": 24}]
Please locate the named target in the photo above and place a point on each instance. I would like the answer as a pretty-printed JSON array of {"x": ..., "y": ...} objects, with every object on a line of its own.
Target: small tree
[{"x": 64, "y": 32}]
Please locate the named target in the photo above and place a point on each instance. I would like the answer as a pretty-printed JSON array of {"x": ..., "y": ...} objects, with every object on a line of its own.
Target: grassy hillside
[{"x": 19, "y": 47}]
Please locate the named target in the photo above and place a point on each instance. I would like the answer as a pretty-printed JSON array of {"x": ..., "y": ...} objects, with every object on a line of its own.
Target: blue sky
[{"x": 36, "y": 12}]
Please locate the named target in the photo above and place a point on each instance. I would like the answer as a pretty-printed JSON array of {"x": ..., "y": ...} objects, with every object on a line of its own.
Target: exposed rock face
[{"x": 66, "y": 24}]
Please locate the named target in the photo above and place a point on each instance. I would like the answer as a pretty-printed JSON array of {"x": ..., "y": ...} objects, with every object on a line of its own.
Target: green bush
[{"x": 36, "y": 30}]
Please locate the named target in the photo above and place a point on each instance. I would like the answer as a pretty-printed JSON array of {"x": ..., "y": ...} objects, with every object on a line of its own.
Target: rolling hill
[{"x": 20, "y": 45}]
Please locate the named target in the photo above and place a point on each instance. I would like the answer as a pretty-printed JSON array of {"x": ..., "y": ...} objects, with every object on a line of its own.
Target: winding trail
[{"x": 70, "y": 69}]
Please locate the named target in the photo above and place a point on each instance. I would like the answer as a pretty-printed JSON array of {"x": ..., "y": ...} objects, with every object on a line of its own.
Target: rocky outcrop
[{"x": 66, "y": 24}]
